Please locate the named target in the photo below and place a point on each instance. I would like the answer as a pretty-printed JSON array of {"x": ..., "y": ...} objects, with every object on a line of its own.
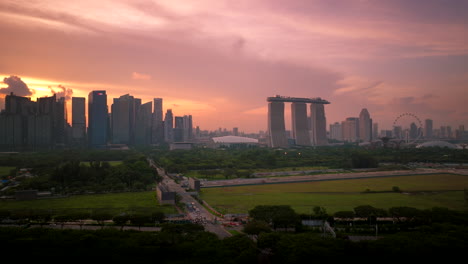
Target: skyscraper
[
  {"x": 188, "y": 127},
  {"x": 365, "y": 126},
  {"x": 78, "y": 120},
  {"x": 143, "y": 124},
  {"x": 97, "y": 119},
  {"x": 318, "y": 124},
  {"x": 168, "y": 126},
  {"x": 276, "y": 125},
  {"x": 157, "y": 125},
  {"x": 350, "y": 129},
  {"x": 375, "y": 131},
  {"x": 123, "y": 119},
  {"x": 428, "y": 129},
  {"x": 300, "y": 131},
  {"x": 336, "y": 131},
  {"x": 178, "y": 129}
]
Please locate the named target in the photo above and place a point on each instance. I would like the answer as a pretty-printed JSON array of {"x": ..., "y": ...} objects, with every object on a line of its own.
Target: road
[{"x": 199, "y": 214}]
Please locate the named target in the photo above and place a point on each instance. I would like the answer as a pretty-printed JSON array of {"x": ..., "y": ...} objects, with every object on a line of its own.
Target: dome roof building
[{"x": 440, "y": 144}]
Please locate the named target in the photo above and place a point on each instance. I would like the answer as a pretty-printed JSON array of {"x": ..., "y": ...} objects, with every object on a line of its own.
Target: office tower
[
  {"x": 178, "y": 129},
  {"x": 398, "y": 132},
  {"x": 14, "y": 122},
  {"x": 43, "y": 122},
  {"x": 123, "y": 119},
  {"x": 449, "y": 132},
  {"x": 336, "y": 131},
  {"x": 276, "y": 125},
  {"x": 97, "y": 119},
  {"x": 78, "y": 120},
  {"x": 428, "y": 129},
  {"x": 365, "y": 126},
  {"x": 413, "y": 132},
  {"x": 60, "y": 122},
  {"x": 187, "y": 127},
  {"x": 350, "y": 129},
  {"x": 318, "y": 124},
  {"x": 375, "y": 131},
  {"x": 300, "y": 131},
  {"x": 157, "y": 130},
  {"x": 143, "y": 124},
  {"x": 235, "y": 131},
  {"x": 168, "y": 126}
]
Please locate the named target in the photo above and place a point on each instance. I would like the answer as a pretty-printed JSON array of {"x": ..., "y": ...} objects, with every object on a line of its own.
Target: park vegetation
[
  {"x": 75, "y": 172},
  {"x": 274, "y": 235},
  {"x": 242, "y": 162}
]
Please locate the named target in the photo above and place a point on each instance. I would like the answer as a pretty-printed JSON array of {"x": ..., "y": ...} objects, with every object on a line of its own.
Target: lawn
[
  {"x": 4, "y": 170},
  {"x": 419, "y": 191},
  {"x": 115, "y": 201}
]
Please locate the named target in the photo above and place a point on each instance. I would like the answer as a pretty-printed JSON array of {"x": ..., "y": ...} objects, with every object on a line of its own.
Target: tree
[
  {"x": 140, "y": 219},
  {"x": 404, "y": 213},
  {"x": 320, "y": 212},
  {"x": 369, "y": 212},
  {"x": 255, "y": 227},
  {"x": 121, "y": 219},
  {"x": 277, "y": 215},
  {"x": 344, "y": 214},
  {"x": 101, "y": 216}
]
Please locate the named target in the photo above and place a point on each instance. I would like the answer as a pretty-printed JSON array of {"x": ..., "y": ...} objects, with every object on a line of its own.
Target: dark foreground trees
[{"x": 191, "y": 244}]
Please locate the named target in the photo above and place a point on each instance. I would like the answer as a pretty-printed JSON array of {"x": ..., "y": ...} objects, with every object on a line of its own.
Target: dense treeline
[
  {"x": 191, "y": 244},
  {"x": 139, "y": 216},
  {"x": 77, "y": 172},
  {"x": 332, "y": 157}
]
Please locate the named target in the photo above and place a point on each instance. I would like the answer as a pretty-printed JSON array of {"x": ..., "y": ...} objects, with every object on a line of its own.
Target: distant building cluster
[
  {"x": 28, "y": 125},
  {"x": 354, "y": 129},
  {"x": 362, "y": 129}
]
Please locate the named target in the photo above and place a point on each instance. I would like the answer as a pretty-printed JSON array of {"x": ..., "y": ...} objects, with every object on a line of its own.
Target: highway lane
[{"x": 200, "y": 214}]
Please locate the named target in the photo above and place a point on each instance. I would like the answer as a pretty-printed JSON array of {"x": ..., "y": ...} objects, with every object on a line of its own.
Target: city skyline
[{"x": 219, "y": 60}]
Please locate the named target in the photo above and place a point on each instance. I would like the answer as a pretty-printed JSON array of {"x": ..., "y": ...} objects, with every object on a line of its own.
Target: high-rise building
[
  {"x": 365, "y": 126},
  {"x": 178, "y": 129},
  {"x": 375, "y": 131},
  {"x": 98, "y": 122},
  {"x": 78, "y": 120},
  {"x": 336, "y": 131},
  {"x": 123, "y": 113},
  {"x": 157, "y": 125},
  {"x": 350, "y": 129},
  {"x": 187, "y": 127},
  {"x": 276, "y": 127},
  {"x": 318, "y": 124},
  {"x": 300, "y": 130},
  {"x": 143, "y": 124},
  {"x": 168, "y": 126},
  {"x": 14, "y": 122},
  {"x": 428, "y": 129}
]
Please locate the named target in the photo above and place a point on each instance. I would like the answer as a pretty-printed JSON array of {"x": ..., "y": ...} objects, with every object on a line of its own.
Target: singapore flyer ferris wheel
[{"x": 407, "y": 127}]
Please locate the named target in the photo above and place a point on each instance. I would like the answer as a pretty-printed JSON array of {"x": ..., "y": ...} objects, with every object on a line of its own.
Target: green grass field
[
  {"x": 116, "y": 201},
  {"x": 5, "y": 170},
  {"x": 420, "y": 191}
]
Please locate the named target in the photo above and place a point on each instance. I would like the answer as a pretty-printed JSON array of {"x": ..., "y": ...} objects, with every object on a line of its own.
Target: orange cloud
[{"x": 140, "y": 76}]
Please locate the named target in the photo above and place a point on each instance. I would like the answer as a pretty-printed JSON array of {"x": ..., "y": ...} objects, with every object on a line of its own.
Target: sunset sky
[{"x": 219, "y": 60}]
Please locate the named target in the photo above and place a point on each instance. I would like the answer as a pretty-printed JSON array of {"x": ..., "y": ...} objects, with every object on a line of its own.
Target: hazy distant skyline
[{"x": 220, "y": 60}]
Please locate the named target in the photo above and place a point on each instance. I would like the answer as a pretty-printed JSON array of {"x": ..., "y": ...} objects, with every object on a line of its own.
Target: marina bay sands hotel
[{"x": 306, "y": 131}]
